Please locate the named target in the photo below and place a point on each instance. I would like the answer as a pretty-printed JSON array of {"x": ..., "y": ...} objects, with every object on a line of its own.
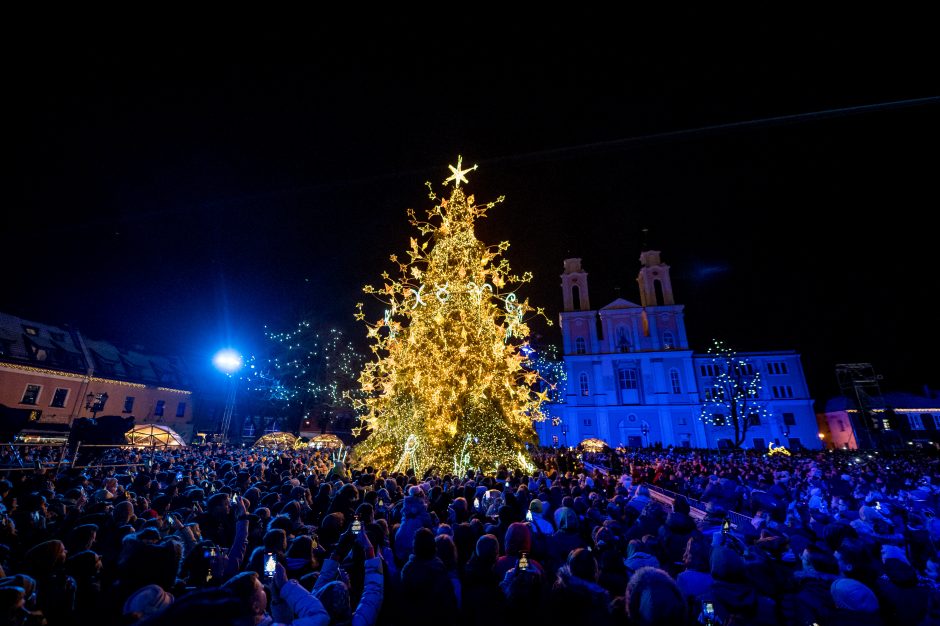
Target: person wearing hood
[
  {"x": 480, "y": 589},
  {"x": 653, "y": 599},
  {"x": 426, "y": 586},
  {"x": 675, "y": 533},
  {"x": 414, "y": 517},
  {"x": 564, "y": 540},
  {"x": 518, "y": 540},
  {"x": 55, "y": 589},
  {"x": 903, "y": 600},
  {"x": 731, "y": 594},
  {"x": 575, "y": 597}
]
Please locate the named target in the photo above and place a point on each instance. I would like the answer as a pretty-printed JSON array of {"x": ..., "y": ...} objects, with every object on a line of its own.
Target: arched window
[
  {"x": 669, "y": 340},
  {"x": 579, "y": 346},
  {"x": 576, "y": 298},
  {"x": 674, "y": 380},
  {"x": 583, "y": 380},
  {"x": 623, "y": 344}
]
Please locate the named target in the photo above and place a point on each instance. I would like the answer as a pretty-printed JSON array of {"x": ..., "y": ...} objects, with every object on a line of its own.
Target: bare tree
[{"x": 732, "y": 394}]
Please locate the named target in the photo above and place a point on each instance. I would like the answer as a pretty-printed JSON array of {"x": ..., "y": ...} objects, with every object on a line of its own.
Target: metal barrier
[
  {"x": 697, "y": 507},
  {"x": 664, "y": 496}
]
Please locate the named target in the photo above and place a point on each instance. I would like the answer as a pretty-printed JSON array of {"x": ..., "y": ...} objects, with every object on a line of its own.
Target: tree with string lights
[
  {"x": 307, "y": 375},
  {"x": 732, "y": 397},
  {"x": 448, "y": 387}
]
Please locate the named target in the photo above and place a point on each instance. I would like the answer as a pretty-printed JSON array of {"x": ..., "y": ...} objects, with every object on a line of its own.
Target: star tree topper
[{"x": 458, "y": 173}]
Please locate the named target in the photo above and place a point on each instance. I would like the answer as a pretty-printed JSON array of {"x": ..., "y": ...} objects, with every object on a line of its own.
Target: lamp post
[
  {"x": 228, "y": 362},
  {"x": 94, "y": 402},
  {"x": 645, "y": 429}
]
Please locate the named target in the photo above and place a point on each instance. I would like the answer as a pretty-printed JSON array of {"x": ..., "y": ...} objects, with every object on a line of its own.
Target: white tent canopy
[
  {"x": 327, "y": 440},
  {"x": 155, "y": 435},
  {"x": 276, "y": 440}
]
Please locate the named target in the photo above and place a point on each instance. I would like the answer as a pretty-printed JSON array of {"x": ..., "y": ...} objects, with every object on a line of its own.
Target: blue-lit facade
[{"x": 633, "y": 380}]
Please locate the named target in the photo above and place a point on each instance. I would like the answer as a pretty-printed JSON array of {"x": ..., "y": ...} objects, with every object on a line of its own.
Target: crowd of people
[{"x": 233, "y": 535}]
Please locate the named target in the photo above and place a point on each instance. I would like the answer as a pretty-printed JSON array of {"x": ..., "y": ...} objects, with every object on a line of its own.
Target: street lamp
[
  {"x": 645, "y": 429},
  {"x": 94, "y": 402},
  {"x": 228, "y": 362}
]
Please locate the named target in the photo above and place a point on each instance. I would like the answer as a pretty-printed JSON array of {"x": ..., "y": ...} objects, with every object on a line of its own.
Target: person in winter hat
[{"x": 146, "y": 601}]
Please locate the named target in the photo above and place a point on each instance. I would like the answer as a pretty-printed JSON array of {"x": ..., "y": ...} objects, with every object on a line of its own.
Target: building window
[
  {"x": 579, "y": 346},
  {"x": 627, "y": 379},
  {"x": 841, "y": 426},
  {"x": 669, "y": 340},
  {"x": 753, "y": 419},
  {"x": 759, "y": 443},
  {"x": 674, "y": 379},
  {"x": 782, "y": 391},
  {"x": 128, "y": 404},
  {"x": 683, "y": 421},
  {"x": 181, "y": 409},
  {"x": 777, "y": 368},
  {"x": 915, "y": 421},
  {"x": 746, "y": 369},
  {"x": 58, "y": 398},
  {"x": 587, "y": 422},
  {"x": 583, "y": 380},
  {"x": 789, "y": 419},
  {"x": 623, "y": 345},
  {"x": 31, "y": 395},
  {"x": 708, "y": 370},
  {"x": 718, "y": 419},
  {"x": 158, "y": 410}
]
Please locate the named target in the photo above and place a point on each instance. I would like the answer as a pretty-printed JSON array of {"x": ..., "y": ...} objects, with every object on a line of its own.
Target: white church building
[{"x": 633, "y": 379}]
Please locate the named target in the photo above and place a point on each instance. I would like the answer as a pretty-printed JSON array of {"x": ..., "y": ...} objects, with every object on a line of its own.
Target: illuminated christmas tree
[
  {"x": 306, "y": 377},
  {"x": 448, "y": 388}
]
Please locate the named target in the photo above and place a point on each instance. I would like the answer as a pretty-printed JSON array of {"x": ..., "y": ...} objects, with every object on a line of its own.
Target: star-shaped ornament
[{"x": 457, "y": 174}]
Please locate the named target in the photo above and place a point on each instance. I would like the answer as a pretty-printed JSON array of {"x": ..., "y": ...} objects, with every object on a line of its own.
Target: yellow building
[{"x": 53, "y": 375}]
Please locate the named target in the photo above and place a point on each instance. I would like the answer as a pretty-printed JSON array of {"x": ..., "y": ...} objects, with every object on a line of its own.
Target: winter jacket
[
  {"x": 426, "y": 587},
  {"x": 574, "y": 600},
  {"x": 414, "y": 516}
]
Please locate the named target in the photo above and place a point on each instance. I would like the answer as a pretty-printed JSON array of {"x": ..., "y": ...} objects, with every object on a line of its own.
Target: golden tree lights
[{"x": 447, "y": 387}]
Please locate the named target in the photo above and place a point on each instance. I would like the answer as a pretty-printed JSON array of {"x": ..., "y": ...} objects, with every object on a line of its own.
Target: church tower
[
  {"x": 655, "y": 286},
  {"x": 574, "y": 287}
]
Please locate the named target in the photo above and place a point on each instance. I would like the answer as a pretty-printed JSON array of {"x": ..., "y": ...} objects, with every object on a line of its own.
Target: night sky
[{"x": 178, "y": 188}]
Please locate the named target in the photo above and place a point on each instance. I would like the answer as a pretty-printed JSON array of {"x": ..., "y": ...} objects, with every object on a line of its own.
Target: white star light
[{"x": 458, "y": 174}]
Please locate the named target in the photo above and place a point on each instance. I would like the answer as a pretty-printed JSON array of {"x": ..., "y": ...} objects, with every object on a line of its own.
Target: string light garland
[
  {"x": 305, "y": 370},
  {"x": 732, "y": 398},
  {"x": 450, "y": 386}
]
